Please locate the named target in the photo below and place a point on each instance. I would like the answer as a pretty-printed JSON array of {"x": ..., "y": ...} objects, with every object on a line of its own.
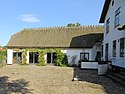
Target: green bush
[
  {"x": 41, "y": 59},
  {"x": 24, "y": 54},
  {"x": 2, "y": 58},
  {"x": 65, "y": 60},
  {"x": 61, "y": 58}
]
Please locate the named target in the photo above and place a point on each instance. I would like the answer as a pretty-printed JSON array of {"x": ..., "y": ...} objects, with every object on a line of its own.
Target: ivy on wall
[
  {"x": 24, "y": 55},
  {"x": 61, "y": 58},
  {"x": 42, "y": 61}
]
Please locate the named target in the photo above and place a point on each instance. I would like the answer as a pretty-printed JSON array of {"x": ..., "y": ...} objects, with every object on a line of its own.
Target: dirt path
[{"x": 17, "y": 79}]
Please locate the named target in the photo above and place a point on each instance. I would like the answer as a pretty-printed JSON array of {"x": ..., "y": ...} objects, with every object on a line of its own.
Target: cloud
[{"x": 29, "y": 18}]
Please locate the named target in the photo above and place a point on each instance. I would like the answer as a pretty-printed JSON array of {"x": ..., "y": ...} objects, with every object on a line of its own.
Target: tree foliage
[
  {"x": 2, "y": 57},
  {"x": 73, "y": 25}
]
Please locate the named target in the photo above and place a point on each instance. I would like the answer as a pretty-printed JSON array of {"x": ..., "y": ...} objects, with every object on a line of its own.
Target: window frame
[
  {"x": 122, "y": 47},
  {"x": 114, "y": 49},
  {"x": 84, "y": 55},
  {"x": 106, "y": 51},
  {"x": 107, "y": 25},
  {"x": 117, "y": 17}
]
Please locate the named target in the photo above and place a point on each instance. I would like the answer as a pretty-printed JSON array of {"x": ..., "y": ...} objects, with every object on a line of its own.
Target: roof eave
[
  {"x": 104, "y": 11},
  {"x": 23, "y": 47}
]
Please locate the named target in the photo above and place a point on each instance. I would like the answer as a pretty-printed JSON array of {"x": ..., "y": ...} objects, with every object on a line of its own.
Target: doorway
[
  {"x": 33, "y": 57},
  {"x": 17, "y": 57},
  {"x": 51, "y": 57}
]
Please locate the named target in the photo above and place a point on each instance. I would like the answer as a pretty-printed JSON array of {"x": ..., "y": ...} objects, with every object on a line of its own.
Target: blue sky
[{"x": 16, "y": 15}]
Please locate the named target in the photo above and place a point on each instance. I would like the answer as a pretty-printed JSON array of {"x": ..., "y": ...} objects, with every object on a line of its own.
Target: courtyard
[{"x": 32, "y": 79}]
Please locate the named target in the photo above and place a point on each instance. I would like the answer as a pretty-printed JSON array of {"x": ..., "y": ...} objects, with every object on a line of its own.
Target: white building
[
  {"x": 77, "y": 42},
  {"x": 113, "y": 17}
]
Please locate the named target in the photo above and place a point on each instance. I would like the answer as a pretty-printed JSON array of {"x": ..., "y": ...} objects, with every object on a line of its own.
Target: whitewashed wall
[
  {"x": 114, "y": 34},
  {"x": 45, "y": 57},
  {"x": 72, "y": 52},
  {"x": 9, "y": 56},
  {"x": 27, "y": 57}
]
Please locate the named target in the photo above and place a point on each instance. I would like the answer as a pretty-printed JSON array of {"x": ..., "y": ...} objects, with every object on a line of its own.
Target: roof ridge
[{"x": 65, "y": 27}]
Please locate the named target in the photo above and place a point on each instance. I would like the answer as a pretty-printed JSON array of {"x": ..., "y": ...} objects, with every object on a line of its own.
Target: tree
[
  {"x": 73, "y": 25},
  {"x": 78, "y": 24}
]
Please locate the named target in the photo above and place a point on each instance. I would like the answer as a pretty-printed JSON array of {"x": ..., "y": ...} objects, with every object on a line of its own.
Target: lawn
[{"x": 31, "y": 79}]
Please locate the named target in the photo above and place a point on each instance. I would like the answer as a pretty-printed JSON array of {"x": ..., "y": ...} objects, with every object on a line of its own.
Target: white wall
[
  {"x": 97, "y": 47},
  {"x": 70, "y": 52},
  {"x": 27, "y": 57},
  {"x": 45, "y": 57},
  {"x": 114, "y": 34},
  {"x": 73, "y": 52},
  {"x": 9, "y": 56}
]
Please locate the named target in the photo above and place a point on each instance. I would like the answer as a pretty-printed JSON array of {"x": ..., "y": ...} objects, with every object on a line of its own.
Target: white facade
[
  {"x": 76, "y": 52},
  {"x": 72, "y": 53},
  {"x": 114, "y": 33},
  {"x": 9, "y": 56}
]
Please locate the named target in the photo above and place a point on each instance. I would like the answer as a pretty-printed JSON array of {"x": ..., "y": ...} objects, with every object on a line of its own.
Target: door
[
  {"x": 51, "y": 57},
  {"x": 17, "y": 57},
  {"x": 33, "y": 57}
]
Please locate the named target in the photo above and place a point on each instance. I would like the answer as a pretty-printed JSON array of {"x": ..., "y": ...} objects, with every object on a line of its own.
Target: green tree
[
  {"x": 78, "y": 24},
  {"x": 65, "y": 60},
  {"x": 2, "y": 57},
  {"x": 73, "y": 25}
]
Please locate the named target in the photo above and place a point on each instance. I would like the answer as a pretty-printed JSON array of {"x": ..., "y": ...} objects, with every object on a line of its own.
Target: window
[
  {"x": 113, "y": 3},
  {"x": 17, "y": 57},
  {"x": 114, "y": 49},
  {"x": 117, "y": 17},
  {"x": 122, "y": 47},
  {"x": 107, "y": 25},
  {"x": 106, "y": 51},
  {"x": 84, "y": 56},
  {"x": 102, "y": 51},
  {"x": 98, "y": 56}
]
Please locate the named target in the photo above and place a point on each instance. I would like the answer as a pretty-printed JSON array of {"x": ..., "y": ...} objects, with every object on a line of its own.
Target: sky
[{"x": 15, "y": 15}]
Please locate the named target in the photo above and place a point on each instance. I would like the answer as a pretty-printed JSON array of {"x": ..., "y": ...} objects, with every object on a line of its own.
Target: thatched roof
[{"x": 64, "y": 37}]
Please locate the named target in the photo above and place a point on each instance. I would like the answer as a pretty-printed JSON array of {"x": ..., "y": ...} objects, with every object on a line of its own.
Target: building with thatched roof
[{"x": 81, "y": 42}]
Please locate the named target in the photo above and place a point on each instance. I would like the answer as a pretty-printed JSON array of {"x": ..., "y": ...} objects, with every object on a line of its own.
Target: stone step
[
  {"x": 122, "y": 73},
  {"x": 120, "y": 76},
  {"x": 116, "y": 79}
]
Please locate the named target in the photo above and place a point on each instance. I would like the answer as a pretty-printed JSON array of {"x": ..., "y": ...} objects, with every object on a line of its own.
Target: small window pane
[
  {"x": 84, "y": 56},
  {"x": 117, "y": 17},
  {"x": 122, "y": 47},
  {"x": 114, "y": 49}
]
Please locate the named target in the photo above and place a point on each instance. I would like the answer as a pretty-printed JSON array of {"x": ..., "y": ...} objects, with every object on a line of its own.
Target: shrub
[
  {"x": 59, "y": 57},
  {"x": 41, "y": 59},
  {"x": 24, "y": 54},
  {"x": 2, "y": 58},
  {"x": 65, "y": 60}
]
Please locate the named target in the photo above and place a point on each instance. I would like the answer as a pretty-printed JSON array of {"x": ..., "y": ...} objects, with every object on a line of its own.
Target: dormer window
[{"x": 117, "y": 17}]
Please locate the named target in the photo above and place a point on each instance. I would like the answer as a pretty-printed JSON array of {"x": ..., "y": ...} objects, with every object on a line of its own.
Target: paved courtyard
[{"x": 31, "y": 79}]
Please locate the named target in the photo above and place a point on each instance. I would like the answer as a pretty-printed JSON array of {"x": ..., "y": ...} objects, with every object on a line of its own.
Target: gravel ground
[{"x": 31, "y": 79}]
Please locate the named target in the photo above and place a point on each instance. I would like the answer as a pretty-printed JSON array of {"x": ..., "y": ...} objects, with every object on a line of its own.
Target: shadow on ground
[
  {"x": 15, "y": 86},
  {"x": 91, "y": 76}
]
